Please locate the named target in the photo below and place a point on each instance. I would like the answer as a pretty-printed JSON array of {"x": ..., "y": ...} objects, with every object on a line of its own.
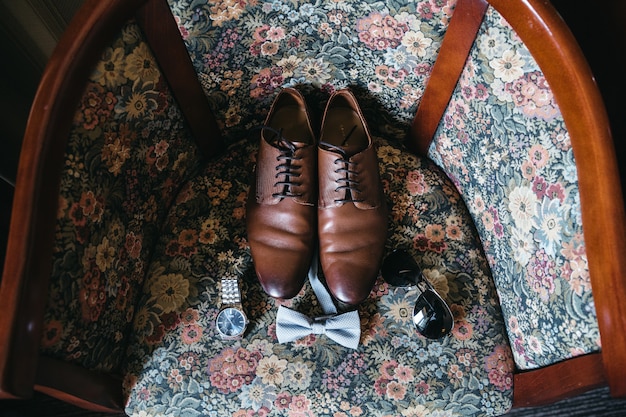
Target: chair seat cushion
[
  {"x": 178, "y": 364},
  {"x": 502, "y": 140}
]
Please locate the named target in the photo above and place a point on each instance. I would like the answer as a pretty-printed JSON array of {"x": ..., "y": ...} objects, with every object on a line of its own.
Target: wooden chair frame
[
  {"x": 24, "y": 286},
  {"x": 558, "y": 55},
  {"x": 23, "y": 290}
]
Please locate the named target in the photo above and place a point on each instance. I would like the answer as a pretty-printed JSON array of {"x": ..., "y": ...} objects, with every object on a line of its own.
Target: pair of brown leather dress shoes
[{"x": 307, "y": 193}]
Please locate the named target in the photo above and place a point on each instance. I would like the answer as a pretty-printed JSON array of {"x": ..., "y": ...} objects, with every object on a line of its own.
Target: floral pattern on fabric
[
  {"x": 245, "y": 51},
  {"x": 127, "y": 155},
  {"x": 127, "y": 268},
  {"x": 178, "y": 364},
  {"x": 502, "y": 120},
  {"x": 505, "y": 145}
]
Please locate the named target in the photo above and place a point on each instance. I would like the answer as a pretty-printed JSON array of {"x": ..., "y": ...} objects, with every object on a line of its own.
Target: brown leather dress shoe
[
  {"x": 281, "y": 207},
  {"x": 352, "y": 214}
]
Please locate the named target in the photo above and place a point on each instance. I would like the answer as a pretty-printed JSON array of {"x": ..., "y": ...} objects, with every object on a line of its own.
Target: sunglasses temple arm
[
  {"x": 422, "y": 279},
  {"x": 417, "y": 277}
]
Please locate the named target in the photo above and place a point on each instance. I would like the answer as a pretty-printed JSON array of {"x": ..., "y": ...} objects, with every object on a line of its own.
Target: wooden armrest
[
  {"x": 558, "y": 55},
  {"x": 157, "y": 22},
  {"x": 24, "y": 288}
]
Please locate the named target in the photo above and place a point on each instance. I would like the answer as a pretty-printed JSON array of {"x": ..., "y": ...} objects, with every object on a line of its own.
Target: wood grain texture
[
  {"x": 557, "y": 53},
  {"x": 24, "y": 287}
]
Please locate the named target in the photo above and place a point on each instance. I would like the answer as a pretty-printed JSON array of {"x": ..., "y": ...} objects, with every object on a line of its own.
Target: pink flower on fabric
[
  {"x": 192, "y": 334},
  {"x": 416, "y": 184},
  {"x": 380, "y": 32},
  {"x": 396, "y": 390},
  {"x": 500, "y": 368}
]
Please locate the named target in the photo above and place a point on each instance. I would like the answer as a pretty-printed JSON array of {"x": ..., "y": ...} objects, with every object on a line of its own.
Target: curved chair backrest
[
  {"x": 26, "y": 271},
  {"x": 566, "y": 70},
  {"x": 553, "y": 48},
  {"x": 535, "y": 23},
  {"x": 26, "y": 279}
]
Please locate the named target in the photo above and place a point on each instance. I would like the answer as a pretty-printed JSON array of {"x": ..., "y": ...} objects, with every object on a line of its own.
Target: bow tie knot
[
  {"x": 344, "y": 329},
  {"x": 318, "y": 326}
]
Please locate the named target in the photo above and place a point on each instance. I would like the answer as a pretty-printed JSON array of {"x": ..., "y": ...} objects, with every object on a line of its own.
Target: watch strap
[{"x": 231, "y": 292}]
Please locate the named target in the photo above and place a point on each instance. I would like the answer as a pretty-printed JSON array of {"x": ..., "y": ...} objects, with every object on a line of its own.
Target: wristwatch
[{"x": 231, "y": 321}]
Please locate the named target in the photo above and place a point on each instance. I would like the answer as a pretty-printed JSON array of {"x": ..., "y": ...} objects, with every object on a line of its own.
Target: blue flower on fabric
[
  {"x": 400, "y": 58},
  {"x": 257, "y": 395},
  {"x": 549, "y": 225}
]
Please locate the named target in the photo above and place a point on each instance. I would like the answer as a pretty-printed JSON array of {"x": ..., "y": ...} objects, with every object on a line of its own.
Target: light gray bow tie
[{"x": 344, "y": 328}]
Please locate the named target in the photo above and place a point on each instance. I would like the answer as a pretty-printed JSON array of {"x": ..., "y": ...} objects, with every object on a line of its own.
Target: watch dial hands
[
  {"x": 229, "y": 316},
  {"x": 230, "y": 322}
]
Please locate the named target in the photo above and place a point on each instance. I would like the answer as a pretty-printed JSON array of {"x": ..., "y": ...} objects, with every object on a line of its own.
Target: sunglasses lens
[
  {"x": 400, "y": 269},
  {"x": 432, "y": 316}
]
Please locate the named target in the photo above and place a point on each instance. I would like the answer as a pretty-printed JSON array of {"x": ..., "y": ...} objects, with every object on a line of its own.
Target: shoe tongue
[
  {"x": 298, "y": 144},
  {"x": 293, "y": 145},
  {"x": 285, "y": 144},
  {"x": 346, "y": 151},
  {"x": 275, "y": 139},
  {"x": 351, "y": 150}
]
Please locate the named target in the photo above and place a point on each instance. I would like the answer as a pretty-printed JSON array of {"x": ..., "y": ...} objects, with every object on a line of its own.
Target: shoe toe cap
[
  {"x": 351, "y": 282},
  {"x": 282, "y": 275}
]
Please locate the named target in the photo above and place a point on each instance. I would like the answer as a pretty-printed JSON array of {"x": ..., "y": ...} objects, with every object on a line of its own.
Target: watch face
[{"x": 231, "y": 322}]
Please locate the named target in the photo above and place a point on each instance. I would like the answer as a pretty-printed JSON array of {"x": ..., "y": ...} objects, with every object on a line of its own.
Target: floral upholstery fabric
[
  {"x": 244, "y": 52},
  {"x": 502, "y": 140},
  {"x": 179, "y": 366},
  {"x": 505, "y": 145},
  {"x": 137, "y": 257},
  {"x": 127, "y": 155}
]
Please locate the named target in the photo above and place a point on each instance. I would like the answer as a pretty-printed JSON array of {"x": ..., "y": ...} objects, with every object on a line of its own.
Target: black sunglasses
[{"x": 431, "y": 315}]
